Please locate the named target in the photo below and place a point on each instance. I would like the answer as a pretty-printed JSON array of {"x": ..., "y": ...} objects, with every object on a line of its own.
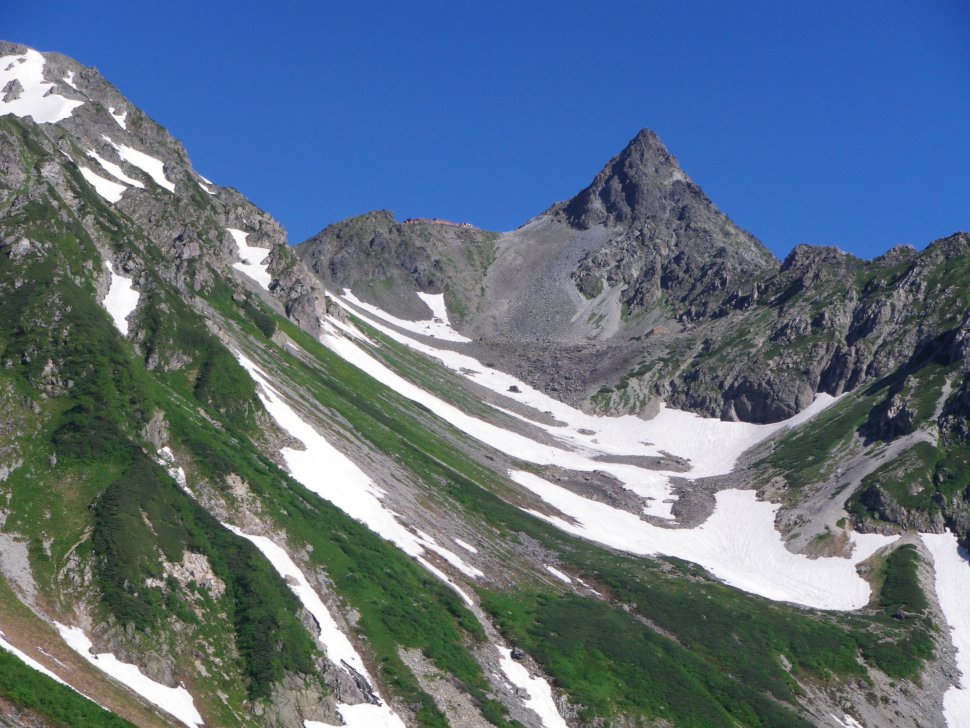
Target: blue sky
[{"x": 839, "y": 123}]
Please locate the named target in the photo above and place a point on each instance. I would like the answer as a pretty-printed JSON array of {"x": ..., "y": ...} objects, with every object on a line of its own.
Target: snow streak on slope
[
  {"x": 114, "y": 170},
  {"x": 467, "y": 546},
  {"x": 69, "y": 80},
  {"x": 252, "y": 259},
  {"x": 334, "y": 477},
  {"x": 111, "y": 191},
  {"x": 339, "y": 649},
  {"x": 438, "y": 327},
  {"x": 951, "y": 565},
  {"x": 153, "y": 167},
  {"x": 28, "y": 660},
  {"x": 738, "y": 544},
  {"x": 558, "y": 574},
  {"x": 119, "y": 116},
  {"x": 121, "y": 299},
  {"x": 36, "y": 97},
  {"x": 175, "y": 701},
  {"x": 540, "y": 699}
]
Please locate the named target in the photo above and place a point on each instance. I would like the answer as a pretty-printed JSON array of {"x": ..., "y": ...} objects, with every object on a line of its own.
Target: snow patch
[
  {"x": 847, "y": 721},
  {"x": 36, "y": 99},
  {"x": 114, "y": 170},
  {"x": 437, "y": 327},
  {"x": 951, "y": 566},
  {"x": 363, "y": 715},
  {"x": 333, "y": 476},
  {"x": 467, "y": 546},
  {"x": 738, "y": 544},
  {"x": 121, "y": 300},
  {"x": 450, "y": 556},
  {"x": 558, "y": 574},
  {"x": 540, "y": 700},
  {"x": 166, "y": 458},
  {"x": 252, "y": 259},
  {"x": 153, "y": 167},
  {"x": 69, "y": 80},
  {"x": 119, "y": 117},
  {"x": 205, "y": 187},
  {"x": 175, "y": 701},
  {"x": 111, "y": 191}
]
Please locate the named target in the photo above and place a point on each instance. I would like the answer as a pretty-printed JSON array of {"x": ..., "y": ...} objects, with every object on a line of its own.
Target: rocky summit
[{"x": 618, "y": 466}]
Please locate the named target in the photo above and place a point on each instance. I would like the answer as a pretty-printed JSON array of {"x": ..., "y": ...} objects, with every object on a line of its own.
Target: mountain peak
[
  {"x": 643, "y": 189},
  {"x": 631, "y": 188}
]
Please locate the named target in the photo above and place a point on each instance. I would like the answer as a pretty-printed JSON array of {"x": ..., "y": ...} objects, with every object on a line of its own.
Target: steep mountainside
[{"x": 233, "y": 494}]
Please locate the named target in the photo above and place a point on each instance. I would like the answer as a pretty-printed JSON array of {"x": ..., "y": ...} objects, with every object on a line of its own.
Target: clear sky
[{"x": 840, "y": 123}]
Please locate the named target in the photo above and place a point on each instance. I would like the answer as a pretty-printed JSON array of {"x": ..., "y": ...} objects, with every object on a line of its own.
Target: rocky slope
[{"x": 260, "y": 502}]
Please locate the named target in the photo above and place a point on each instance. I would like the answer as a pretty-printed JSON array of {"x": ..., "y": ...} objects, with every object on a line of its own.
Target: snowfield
[
  {"x": 739, "y": 543},
  {"x": 252, "y": 259},
  {"x": 37, "y": 99},
  {"x": 339, "y": 649},
  {"x": 121, "y": 300},
  {"x": 175, "y": 701},
  {"x": 540, "y": 700},
  {"x": 111, "y": 191},
  {"x": 336, "y": 478},
  {"x": 467, "y": 546},
  {"x": 153, "y": 167},
  {"x": 951, "y": 565}
]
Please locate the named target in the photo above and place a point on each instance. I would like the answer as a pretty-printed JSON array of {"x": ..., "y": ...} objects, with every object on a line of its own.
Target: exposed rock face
[
  {"x": 385, "y": 262},
  {"x": 182, "y": 216},
  {"x": 676, "y": 245}
]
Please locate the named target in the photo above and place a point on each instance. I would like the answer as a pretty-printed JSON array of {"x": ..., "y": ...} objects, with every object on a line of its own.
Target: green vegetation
[
  {"x": 98, "y": 478},
  {"x": 613, "y": 664},
  {"x": 36, "y": 693},
  {"x": 901, "y": 597},
  {"x": 805, "y": 455},
  {"x": 399, "y": 603},
  {"x": 921, "y": 479},
  {"x": 142, "y": 512},
  {"x": 900, "y": 587}
]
